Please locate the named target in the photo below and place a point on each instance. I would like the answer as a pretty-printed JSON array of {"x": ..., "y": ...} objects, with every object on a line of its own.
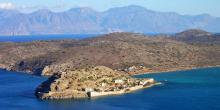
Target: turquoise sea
[{"x": 197, "y": 89}]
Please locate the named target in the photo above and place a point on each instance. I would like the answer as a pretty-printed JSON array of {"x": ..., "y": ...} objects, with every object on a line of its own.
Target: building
[{"x": 119, "y": 81}]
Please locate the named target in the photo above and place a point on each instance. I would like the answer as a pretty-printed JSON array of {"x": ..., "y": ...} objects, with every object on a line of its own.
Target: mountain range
[{"x": 85, "y": 20}]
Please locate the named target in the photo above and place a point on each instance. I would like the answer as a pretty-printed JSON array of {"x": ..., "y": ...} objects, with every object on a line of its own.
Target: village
[{"x": 119, "y": 86}]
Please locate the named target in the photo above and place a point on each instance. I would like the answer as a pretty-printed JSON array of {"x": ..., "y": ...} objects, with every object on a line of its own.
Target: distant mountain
[{"x": 86, "y": 20}]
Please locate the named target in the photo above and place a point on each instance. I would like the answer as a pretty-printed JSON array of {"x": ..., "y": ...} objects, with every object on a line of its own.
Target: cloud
[
  {"x": 24, "y": 7},
  {"x": 7, "y": 5},
  {"x": 29, "y": 8},
  {"x": 11, "y": 6}
]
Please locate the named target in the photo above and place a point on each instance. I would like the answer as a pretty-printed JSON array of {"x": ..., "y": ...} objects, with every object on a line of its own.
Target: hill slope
[
  {"x": 197, "y": 36},
  {"x": 121, "y": 51}
]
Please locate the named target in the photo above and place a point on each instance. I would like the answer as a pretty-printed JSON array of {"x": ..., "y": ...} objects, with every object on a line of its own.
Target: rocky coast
[
  {"x": 90, "y": 82},
  {"x": 127, "y": 52},
  {"x": 74, "y": 65}
]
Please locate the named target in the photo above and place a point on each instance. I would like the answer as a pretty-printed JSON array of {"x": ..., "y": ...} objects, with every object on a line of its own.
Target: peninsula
[
  {"x": 90, "y": 82},
  {"x": 103, "y": 65},
  {"x": 127, "y": 52}
]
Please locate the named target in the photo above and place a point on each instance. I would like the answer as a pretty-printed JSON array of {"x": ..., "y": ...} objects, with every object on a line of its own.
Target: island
[
  {"x": 89, "y": 82},
  {"x": 104, "y": 65}
]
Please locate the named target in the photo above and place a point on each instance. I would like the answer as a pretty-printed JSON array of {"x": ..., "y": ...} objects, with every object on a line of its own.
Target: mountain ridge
[{"x": 87, "y": 20}]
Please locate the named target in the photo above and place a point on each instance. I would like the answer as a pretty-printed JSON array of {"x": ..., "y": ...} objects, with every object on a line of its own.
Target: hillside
[
  {"x": 129, "y": 52},
  {"x": 197, "y": 36},
  {"x": 86, "y": 20}
]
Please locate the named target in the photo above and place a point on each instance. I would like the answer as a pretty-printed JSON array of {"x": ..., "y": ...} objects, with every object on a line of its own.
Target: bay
[{"x": 197, "y": 89}]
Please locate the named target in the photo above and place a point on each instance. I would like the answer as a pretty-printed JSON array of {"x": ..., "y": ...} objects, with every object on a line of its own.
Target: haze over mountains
[{"x": 86, "y": 20}]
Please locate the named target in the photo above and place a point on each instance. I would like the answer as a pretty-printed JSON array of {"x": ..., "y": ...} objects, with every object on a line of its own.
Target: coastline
[
  {"x": 83, "y": 95},
  {"x": 124, "y": 91},
  {"x": 134, "y": 74},
  {"x": 121, "y": 92},
  {"x": 90, "y": 82},
  {"x": 175, "y": 70}
]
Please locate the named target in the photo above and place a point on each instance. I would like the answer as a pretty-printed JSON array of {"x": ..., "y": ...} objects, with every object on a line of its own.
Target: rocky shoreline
[
  {"x": 127, "y": 90},
  {"x": 176, "y": 69},
  {"x": 47, "y": 71},
  {"x": 90, "y": 82},
  {"x": 118, "y": 51},
  {"x": 121, "y": 55}
]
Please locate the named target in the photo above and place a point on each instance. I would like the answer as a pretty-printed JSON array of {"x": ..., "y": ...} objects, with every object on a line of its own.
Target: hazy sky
[{"x": 192, "y": 7}]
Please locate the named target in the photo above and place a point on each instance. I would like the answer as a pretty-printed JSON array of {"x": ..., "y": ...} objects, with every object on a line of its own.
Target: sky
[{"x": 189, "y": 7}]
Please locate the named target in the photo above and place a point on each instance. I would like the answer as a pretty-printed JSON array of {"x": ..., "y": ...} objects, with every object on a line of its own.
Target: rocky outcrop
[
  {"x": 50, "y": 69},
  {"x": 3, "y": 66},
  {"x": 83, "y": 83}
]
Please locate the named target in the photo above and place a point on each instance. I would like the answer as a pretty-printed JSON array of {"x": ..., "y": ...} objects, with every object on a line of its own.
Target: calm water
[
  {"x": 186, "y": 90},
  {"x": 29, "y": 38},
  {"x": 44, "y": 37}
]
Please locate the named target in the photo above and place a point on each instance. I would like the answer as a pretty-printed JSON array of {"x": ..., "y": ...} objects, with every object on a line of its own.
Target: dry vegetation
[{"x": 116, "y": 50}]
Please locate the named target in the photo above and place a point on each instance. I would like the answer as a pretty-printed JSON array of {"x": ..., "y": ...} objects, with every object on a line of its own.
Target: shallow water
[{"x": 183, "y": 90}]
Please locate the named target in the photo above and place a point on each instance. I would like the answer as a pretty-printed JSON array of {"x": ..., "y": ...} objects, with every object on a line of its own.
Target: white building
[
  {"x": 89, "y": 90},
  {"x": 119, "y": 81},
  {"x": 103, "y": 84},
  {"x": 146, "y": 81}
]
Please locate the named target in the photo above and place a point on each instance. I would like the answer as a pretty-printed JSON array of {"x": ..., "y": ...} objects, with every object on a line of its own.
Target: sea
[
  {"x": 30, "y": 38},
  {"x": 197, "y": 89}
]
